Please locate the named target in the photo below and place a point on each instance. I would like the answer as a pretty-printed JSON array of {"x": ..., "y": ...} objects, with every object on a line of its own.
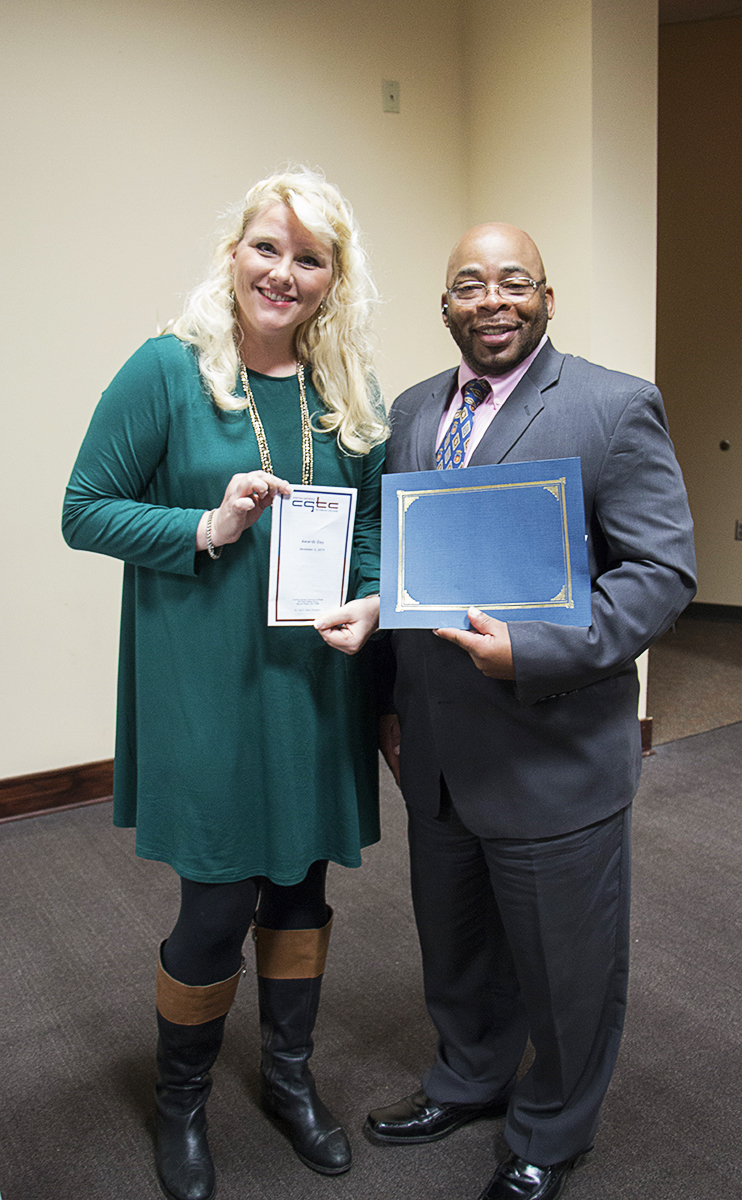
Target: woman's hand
[
  {"x": 245, "y": 500},
  {"x": 348, "y": 628}
]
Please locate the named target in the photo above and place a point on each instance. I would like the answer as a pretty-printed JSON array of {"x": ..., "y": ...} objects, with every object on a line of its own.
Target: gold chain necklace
[{"x": 307, "y": 455}]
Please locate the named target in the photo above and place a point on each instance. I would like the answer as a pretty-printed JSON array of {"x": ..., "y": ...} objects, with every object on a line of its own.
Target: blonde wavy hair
[{"x": 334, "y": 341}]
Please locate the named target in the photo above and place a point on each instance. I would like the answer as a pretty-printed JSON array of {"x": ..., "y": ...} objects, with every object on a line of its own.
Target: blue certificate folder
[{"x": 507, "y": 538}]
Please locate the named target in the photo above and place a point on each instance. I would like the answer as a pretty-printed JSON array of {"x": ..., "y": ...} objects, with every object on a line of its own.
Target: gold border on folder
[{"x": 563, "y": 598}]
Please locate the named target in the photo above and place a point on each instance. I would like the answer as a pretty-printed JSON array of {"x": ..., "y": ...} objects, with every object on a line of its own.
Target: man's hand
[
  {"x": 389, "y": 738},
  {"x": 487, "y": 643}
]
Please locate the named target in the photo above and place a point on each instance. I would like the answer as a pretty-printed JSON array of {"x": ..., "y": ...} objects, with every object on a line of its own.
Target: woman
[{"x": 245, "y": 755}]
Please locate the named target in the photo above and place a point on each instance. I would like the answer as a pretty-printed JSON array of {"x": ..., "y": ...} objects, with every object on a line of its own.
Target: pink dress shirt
[{"x": 484, "y": 413}]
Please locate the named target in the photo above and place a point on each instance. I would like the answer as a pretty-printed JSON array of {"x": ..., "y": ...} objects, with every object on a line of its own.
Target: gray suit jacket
[{"x": 559, "y": 748}]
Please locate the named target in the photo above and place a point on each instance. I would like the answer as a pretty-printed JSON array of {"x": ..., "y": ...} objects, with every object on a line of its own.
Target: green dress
[{"x": 241, "y": 749}]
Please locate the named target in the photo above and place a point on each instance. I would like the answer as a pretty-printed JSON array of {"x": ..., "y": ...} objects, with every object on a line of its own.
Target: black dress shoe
[
  {"x": 516, "y": 1179},
  {"x": 419, "y": 1119}
]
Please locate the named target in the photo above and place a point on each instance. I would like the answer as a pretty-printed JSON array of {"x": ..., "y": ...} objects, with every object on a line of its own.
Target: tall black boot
[
  {"x": 291, "y": 963},
  {"x": 191, "y": 1026}
]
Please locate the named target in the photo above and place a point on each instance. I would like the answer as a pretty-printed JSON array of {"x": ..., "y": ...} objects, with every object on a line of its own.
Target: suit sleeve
[
  {"x": 106, "y": 507},
  {"x": 641, "y": 530}
]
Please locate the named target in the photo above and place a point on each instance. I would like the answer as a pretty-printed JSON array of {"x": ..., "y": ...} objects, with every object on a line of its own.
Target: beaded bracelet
[{"x": 213, "y": 551}]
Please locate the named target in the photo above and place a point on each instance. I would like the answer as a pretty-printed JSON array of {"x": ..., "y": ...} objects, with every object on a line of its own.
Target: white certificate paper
[{"x": 311, "y": 540}]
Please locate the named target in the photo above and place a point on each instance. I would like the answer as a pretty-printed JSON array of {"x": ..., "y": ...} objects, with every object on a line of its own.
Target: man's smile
[{"x": 495, "y": 334}]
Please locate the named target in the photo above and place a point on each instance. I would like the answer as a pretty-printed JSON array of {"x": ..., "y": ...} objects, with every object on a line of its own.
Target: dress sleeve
[
  {"x": 367, "y": 531},
  {"x": 107, "y": 507},
  {"x": 642, "y": 513}
]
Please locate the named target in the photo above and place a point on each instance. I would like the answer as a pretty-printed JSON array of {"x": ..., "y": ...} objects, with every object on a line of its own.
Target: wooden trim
[
  {"x": 646, "y": 726},
  {"x": 53, "y": 791}
]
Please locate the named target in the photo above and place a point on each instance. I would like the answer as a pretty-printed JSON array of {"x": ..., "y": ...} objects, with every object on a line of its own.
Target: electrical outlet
[
  {"x": 738, "y": 531},
  {"x": 390, "y": 95}
]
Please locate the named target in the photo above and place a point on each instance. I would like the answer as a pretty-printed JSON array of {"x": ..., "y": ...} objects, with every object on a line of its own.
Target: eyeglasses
[{"x": 472, "y": 292}]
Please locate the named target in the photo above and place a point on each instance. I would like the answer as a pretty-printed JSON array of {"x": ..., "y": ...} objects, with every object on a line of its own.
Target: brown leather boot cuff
[
  {"x": 185, "y": 1005},
  {"x": 291, "y": 953}
]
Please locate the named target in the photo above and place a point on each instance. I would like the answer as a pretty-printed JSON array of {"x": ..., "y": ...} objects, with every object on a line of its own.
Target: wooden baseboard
[
  {"x": 646, "y": 727},
  {"x": 700, "y": 611},
  {"x": 53, "y": 791}
]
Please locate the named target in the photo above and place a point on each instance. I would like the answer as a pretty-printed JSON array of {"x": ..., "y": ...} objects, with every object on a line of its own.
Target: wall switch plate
[{"x": 390, "y": 95}]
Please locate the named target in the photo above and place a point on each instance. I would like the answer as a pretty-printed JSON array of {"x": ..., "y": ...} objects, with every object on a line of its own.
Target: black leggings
[{"x": 206, "y": 943}]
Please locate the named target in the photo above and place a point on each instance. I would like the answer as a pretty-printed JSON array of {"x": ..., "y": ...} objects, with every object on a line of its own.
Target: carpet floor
[
  {"x": 695, "y": 678},
  {"x": 83, "y": 917}
]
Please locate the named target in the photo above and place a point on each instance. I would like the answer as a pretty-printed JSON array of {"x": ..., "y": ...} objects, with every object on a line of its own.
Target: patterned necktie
[{"x": 452, "y": 450}]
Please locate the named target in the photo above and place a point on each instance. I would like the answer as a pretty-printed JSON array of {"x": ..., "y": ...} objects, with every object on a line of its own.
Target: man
[{"x": 517, "y": 745}]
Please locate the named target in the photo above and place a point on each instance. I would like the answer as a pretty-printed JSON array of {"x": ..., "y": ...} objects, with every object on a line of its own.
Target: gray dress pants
[{"x": 519, "y": 939}]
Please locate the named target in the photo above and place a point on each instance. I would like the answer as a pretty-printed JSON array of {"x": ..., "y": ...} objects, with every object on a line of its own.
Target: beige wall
[
  {"x": 133, "y": 123},
  {"x": 624, "y": 185},
  {"x": 530, "y": 140},
  {"x": 699, "y": 310},
  {"x": 562, "y": 140}
]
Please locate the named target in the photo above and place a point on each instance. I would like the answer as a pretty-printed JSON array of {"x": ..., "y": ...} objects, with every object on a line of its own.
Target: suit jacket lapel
[
  {"x": 428, "y": 420},
  {"x": 522, "y": 406}
]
